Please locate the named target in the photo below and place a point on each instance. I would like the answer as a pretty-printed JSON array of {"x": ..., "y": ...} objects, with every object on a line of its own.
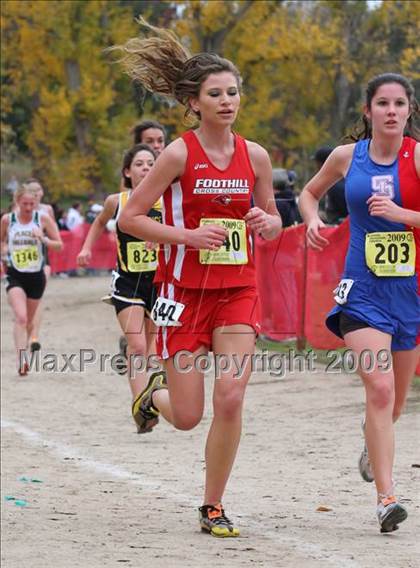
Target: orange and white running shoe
[{"x": 390, "y": 513}]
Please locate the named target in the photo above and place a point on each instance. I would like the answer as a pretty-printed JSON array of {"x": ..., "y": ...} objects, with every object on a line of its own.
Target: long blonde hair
[{"x": 24, "y": 189}]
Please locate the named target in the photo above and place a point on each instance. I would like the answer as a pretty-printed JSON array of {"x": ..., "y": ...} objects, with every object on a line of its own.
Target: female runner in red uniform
[{"x": 208, "y": 298}]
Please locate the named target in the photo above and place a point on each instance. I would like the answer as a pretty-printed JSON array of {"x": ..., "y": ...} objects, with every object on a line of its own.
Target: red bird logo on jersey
[{"x": 223, "y": 199}]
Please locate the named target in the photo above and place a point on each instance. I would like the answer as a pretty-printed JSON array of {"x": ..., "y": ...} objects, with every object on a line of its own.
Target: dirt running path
[{"x": 110, "y": 497}]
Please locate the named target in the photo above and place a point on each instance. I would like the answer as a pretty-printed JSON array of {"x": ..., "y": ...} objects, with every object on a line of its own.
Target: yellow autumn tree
[
  {"x": 304, "y": 66},
  {"x": 54, "y": 61},
  {"x": 395, "y": 28},
  {"x": 280, "y": 52}
]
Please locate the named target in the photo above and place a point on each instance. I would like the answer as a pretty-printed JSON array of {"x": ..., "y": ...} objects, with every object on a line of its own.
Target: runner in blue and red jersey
[{"x": 378, "y": 307}]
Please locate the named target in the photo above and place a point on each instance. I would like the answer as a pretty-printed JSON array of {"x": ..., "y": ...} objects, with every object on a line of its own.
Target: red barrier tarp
[
  {"x": 280, "y": 282},
  {"x": 104, "y": 251},
  {"x": 296, "y": 284}
]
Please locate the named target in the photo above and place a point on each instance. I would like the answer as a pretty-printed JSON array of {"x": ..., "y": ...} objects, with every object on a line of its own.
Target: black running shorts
[
  {"x": 133, "y": 291},
  {"x": 32, "y": 283}
]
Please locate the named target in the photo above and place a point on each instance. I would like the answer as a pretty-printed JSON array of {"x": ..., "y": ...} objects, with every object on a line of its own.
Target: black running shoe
[
  {"x": 214, "y": 521},
  {"x": 35, "y": 346}
]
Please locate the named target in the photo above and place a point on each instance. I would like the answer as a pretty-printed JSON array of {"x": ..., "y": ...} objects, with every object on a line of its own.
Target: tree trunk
[
  {"x": 342, "y": 92},
  {"x": 81, "y": 124}
]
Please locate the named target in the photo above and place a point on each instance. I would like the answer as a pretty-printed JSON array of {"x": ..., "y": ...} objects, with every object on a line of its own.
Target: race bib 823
[{"x": 141, "y": 259}]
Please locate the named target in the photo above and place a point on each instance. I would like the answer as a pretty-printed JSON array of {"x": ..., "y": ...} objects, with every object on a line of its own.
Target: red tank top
[
  {"x": 204, "y": 193},
  {"x": 410, "y": 188}
]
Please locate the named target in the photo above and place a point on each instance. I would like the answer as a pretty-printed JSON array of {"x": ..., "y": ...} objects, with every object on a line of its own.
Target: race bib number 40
[
  {"x": 391, "y": 254},
  {"x": 141, "y": 259},
  {"x": 25, "y": 257},
  {"x": 234, "y": 249},
  {"x": 166, "y": 312}
]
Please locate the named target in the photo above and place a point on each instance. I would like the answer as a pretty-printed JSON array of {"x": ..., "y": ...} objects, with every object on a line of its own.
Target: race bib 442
[{"x": 166, "y": 313}]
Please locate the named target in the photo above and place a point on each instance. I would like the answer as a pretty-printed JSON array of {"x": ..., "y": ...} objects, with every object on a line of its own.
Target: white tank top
[
  {"x": 43, "y": 210},
  {"x": 25, "y": 251}
]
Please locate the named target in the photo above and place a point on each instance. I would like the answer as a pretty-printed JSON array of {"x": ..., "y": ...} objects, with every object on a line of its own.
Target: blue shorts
[{"x": 391, "y": 305}]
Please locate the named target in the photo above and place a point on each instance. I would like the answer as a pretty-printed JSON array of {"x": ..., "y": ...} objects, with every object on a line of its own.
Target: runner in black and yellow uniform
[
  {"x": 153, "y": 134},
  {"x": 132, "y": 289},
  {"x": 132, "y": 282}
]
